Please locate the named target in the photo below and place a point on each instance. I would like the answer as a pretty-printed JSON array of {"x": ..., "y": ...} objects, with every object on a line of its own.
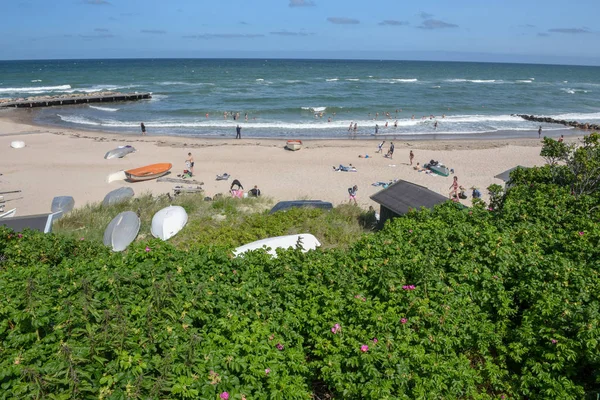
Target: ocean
[{"x": 310, "y": 98}]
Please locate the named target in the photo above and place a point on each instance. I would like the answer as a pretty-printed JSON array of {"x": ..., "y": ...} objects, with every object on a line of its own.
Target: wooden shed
[{"x": 403, "y": 196}]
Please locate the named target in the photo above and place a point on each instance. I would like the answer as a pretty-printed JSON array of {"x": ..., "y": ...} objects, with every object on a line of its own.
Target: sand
[{"x": 58, "y": 161}]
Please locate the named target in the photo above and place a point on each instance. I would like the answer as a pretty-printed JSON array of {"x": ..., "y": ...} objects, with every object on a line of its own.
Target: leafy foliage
[{"x": 450, "y": 303}]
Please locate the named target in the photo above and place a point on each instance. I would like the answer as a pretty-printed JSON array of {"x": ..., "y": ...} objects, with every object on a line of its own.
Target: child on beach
[
  {"x": 352, "y": 192},
  {"x": 143, "y": 129},
  {"x": 189, "y": 162},
  {"x": 380, "y": 147}
]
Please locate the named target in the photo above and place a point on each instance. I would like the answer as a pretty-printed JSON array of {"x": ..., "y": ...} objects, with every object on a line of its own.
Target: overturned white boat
[
  {"x": 118, "y": 196},
  {"x": 122, "y": 230},
  {"x": 8, "y": 214},
  {"x": 119, "y": 152},
  {"x": 168, "y": 222},
  {"x": 304, "y": 241},
  {"x": 17, "y": 144},
  {"x": 62, "y": 205}
]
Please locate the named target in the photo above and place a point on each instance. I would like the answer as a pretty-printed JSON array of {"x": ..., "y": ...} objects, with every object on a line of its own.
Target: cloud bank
[
  {"x": 343, "y": 21},
  {"x": 436, "y": 24}
]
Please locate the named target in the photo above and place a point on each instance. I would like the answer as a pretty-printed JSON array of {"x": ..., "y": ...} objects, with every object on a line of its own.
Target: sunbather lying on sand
[{"x": 344, "y": 168}]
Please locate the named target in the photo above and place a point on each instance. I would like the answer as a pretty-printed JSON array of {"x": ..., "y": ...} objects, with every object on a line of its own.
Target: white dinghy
[
  {"x": 119, "y": 152},
  {"x": 62, "y": 205},
  {"x": 8, "y": 214},
  {"x": 118, "y": 196},
  {"x": 168, "y": 222},
  {"x": 304, "y": 241},
  {"x": 122, "y": 230}
]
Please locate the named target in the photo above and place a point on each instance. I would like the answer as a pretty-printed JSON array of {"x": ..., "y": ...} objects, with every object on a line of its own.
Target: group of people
[
  {"x": 237, "y": 190},
  {"x": 390, "y": 152}
]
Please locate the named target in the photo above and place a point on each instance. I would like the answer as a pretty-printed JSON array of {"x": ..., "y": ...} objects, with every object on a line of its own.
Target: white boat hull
[
  {"x": 122, "y": 230},
  {"x": 9, "y": 213},
  {"x": 305, "y": 241},
  {"x": 168, "y": 222}
]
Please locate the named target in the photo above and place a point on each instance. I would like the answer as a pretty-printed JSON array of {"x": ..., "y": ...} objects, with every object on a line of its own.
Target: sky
[{"x": 549, "y": 31}]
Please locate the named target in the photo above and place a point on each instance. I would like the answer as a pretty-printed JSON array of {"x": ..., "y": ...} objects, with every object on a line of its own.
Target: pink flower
[
  {"x": 147, "y": 250},
  {"x": 81, "y": 238},
  {"x": 20, "y": 236},
  {"x": 375, "y": 340},
  {"x": 279, "y": 346},
  {"x": 336, "y": 328},
  {"x": 490, "y": 209},
  {"x": 224, "y": 395},
  {"x": 410, "y": 231},
  {"x": 364, "y": 348},
  {"x": 580, "y": 233},
  {"x": 403, "y": 320},
  {"x": 267, "y": 371},
  {"x": 554, "y": 341}
]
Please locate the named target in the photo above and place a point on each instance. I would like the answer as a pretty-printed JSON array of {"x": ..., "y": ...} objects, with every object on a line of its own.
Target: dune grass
[{"x": 224, "y": 222}]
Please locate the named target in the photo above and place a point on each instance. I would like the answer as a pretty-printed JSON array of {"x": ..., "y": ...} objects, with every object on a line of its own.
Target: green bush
[{"x": 480, "y": 303}]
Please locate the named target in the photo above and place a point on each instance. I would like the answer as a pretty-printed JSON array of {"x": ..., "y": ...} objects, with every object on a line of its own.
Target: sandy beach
[{"x": 58, "y": 161}]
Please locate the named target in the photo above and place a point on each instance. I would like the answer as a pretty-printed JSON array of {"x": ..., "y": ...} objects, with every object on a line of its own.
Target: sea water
[{"x": 310, "y": 98}]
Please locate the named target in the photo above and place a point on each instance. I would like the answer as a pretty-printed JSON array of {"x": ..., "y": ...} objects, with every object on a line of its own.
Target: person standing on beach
[
  {"x": 540, "y": 132},
  {"x": 454, "y": 189},
  {"x": 380, "y": 147},
  {"x": 561, "y": 138},
  {"x": 411, "y": 156},
  {"x": 190, "y": 163},
  {"x": 143, "y": 129},
  {"x": 352, "y": 192},
  {"x": 390, "y": 152},
  {"x": 238, "y": 134}
]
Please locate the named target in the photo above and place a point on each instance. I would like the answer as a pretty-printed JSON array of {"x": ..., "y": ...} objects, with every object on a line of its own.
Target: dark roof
[
  {"x": 39, "y": 222},
  {"x": 505, "y": 176},
  {"x": 284, "y": 205},
  {"x": 403, "y": 196}
]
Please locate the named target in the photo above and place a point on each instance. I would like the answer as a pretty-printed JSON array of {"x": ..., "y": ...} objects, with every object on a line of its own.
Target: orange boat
[{"x": 148, "y": 172}]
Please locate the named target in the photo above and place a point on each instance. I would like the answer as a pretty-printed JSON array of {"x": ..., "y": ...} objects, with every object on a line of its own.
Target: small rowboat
[
  {"x": 148, "y": 172},
  {"x": 8, "y": 214},
  {"x": 294, "y": 145},
  {"x": 119, "y": 152}
]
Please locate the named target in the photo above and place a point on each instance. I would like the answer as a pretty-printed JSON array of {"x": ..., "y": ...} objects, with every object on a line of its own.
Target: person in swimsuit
[
  {"x": 411, "y": 156},
  {"x": 380, "y": 147},
  {"x": 239, "y": 191},
  {"x": 352, "y": 192},
  {"x": 143, "y": 129},
  {"x": 190, "y": 163},
  {"x": 454, "y": 189}
]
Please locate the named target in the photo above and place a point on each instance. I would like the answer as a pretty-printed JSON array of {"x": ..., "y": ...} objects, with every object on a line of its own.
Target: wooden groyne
[
  {"x": 574, "y": 124},
  {"x": 48, "y": 101}
]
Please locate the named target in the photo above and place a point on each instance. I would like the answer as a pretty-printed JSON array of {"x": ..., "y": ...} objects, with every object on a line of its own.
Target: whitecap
[
  {"x": 36, "y": 80},
  {"x": 37, "y": 89},
  {"x": 315, "y": 109},
  {"x": 524, "y": 81},
  {"x": 353, "y": 79},
  {"x": 332, "y": 80},
  {"x": 108, "y": 109}
]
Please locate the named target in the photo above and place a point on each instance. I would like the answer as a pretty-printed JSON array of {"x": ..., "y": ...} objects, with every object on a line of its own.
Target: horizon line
[{"x": 316, "y": 58}]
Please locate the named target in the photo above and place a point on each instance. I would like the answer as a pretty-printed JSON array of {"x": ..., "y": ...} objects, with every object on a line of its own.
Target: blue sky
[{"x": 513, "y": 31}]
